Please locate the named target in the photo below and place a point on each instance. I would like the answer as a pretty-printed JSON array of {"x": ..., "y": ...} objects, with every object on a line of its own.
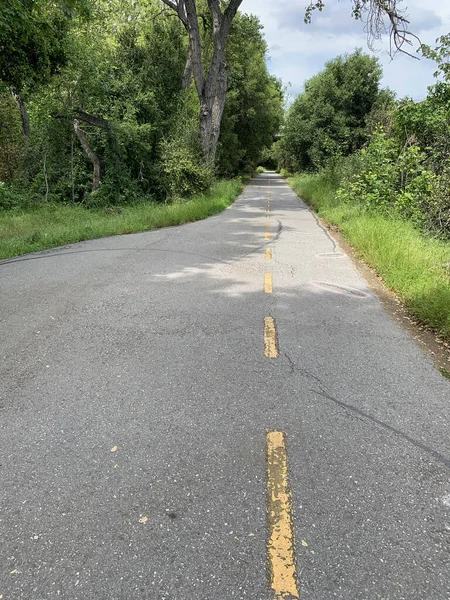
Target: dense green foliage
[
  {"x": 104, "y": 98},
  {"x": 329, "y": 117},
  {"x": 253, "y": 113},
  {"x": 33, "y": 40},
  {"x": 405, "y": 167},
  {"x": 400, "y": 150}
]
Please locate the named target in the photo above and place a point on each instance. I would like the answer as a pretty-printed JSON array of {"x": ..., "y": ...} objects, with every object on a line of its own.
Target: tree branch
[
  {"x": 231, "y": 10},
  {"x": 93, "y": 120},
  {"x": 373, "y": 14},
  {"x": 216, "y": 13},
  {"x": 187, "y": 71},
  {"x": 90, "y": 153},
  {"x": 195, "y": 47},
  {"x": 80, "y": 115},
  {"x": 180, "y": 8}
]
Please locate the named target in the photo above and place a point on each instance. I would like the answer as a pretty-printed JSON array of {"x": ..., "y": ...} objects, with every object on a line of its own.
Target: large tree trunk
[
  {"x": 90, "y": 153},
  {"x": 23, "y": 112},
  {"x": 212, "y": 88},
  {"x": 212, "y": 104}
]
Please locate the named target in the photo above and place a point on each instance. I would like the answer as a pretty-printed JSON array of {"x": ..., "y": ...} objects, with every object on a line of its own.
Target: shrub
[
  {"x": 388, "y": 179},
  {"x": 10, "y": 197},
  {"x": 184, "y": 173}
]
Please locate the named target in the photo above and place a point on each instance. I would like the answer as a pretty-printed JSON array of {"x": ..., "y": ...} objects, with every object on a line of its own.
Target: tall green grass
[
  {"x": 50, "y": 225},
  {"x": 415, "y": 267}
]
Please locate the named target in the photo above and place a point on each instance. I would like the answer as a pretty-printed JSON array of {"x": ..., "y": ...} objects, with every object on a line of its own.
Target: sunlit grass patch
[{"x": 51, "y": 225}]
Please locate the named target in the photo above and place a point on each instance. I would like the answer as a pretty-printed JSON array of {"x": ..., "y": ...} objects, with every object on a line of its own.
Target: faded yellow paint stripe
[
  {"x": 267, "y": 236},
  {"x": 270, "y": 338},
  {"x": 280, "y": 547},
  {"x": 268, "y": 253},
  {"x": 267, "y": 224},
  {"x": 268, "y": 287}
]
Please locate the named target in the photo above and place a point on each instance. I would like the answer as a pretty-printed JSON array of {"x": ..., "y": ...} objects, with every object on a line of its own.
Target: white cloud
[{"x": 298, "y": 51}]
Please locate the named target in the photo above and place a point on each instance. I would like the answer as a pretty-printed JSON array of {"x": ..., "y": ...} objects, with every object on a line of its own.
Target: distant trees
[
  {"x": 253, "y": 111},
  {"x": 329, "y": 117},
  {"x": 384, "y": 155}
]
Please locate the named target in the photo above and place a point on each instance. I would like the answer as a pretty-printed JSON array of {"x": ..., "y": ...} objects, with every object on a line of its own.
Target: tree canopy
[
  {"x": 329, "y": 117},
  {"x": 110, "y": 107}
]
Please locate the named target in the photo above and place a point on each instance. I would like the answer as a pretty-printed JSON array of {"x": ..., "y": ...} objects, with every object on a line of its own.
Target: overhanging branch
[{"x": 373, "y": 13}]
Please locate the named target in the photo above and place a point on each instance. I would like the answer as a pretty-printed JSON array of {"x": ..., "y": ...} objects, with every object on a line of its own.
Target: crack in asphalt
[
  {"x": 366, "y": 417},
  {"x": 292, "y": 365},
  {"x": 361, "y": 415}
]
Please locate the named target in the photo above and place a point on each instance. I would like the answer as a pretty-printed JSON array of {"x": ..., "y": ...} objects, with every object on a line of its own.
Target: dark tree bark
[
  {"x": 93, "y": 120},
  {"x": 23, "y": 112},
  {"x": 90, "y": 153},
  {"x": 212, "y": 86}
]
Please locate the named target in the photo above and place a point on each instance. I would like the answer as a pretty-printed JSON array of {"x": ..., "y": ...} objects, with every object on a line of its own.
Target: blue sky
[{"x": 298, "y": 51}]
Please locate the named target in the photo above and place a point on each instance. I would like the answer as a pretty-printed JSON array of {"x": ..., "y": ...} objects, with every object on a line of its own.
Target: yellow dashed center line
[
  {"x": 268, "y": 287},
  {"x": 267, "y": 225},
  {"x": 270, "y": 338},
  {"x": 267, "y": 236},
  {"x": 268, "y": 253},
  {"x": 280, "y": 546}
]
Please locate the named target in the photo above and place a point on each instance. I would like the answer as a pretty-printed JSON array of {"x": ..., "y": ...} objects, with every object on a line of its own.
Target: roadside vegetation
[
  {"x": 378, "y": 168},
  {"x": 51, "y": 225},
  {"x": 99, "y": 118},
  {"x": 415, "y": 266}
]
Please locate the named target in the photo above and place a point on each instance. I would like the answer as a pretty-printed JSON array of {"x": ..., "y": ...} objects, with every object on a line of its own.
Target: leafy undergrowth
[
  {"x": 51, "y": 225},
  {"x": 415, "y": 267}
]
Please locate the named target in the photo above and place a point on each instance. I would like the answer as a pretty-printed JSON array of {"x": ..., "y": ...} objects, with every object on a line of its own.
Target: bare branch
[
  {"x": 180, "y": 8},
  {"x": 90, "y": 153},
  {"x": 170, "y": 4},
  {"x": 93, "y": 120},
  {"x": 373, "y": 14}
]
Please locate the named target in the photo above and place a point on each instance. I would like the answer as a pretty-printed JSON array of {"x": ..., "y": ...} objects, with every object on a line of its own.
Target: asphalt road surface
[{"x": 151, "y": 386}]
